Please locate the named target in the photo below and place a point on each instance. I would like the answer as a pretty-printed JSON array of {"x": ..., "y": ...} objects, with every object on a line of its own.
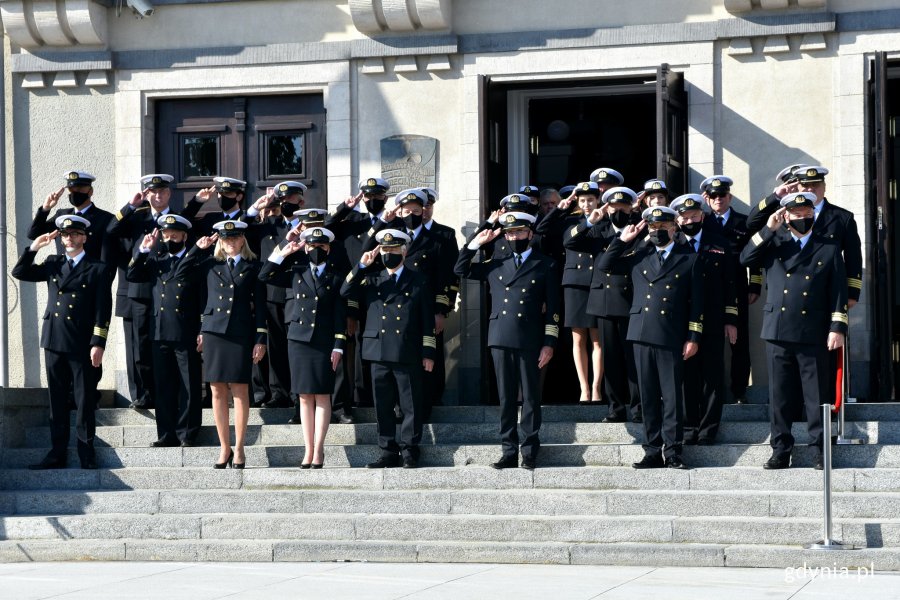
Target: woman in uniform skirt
[
  {"x": 233, "y": 328},
  {"x": 317, "y": 323}
]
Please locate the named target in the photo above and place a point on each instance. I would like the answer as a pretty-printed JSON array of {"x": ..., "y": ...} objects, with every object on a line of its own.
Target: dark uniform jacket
[
  {"x": 806, "y": 289},
  {"x": 96, "y": 245},
  {"x": 202, "y": 226},
  {"x": 78, "y": 304},
  {"x": 611, "y": 290},
  {"x": 450, "y": 250},
  {"x": 524, "y": 301},
  {"x": 552, "y": 228},
  {"x": 235, "y": 302},
  {"x": 317, "y": 313},
  {"x": 399, "y": 315},
  {"x": 130, "y": 226},
  {"x": 177, "y": 295},
  {"x": 352, "y": 229},
  {"x": 581, "y": 250},
  {"x": 667, "y": 306},
  {"x": 719, "y": 295},
  {"x": 738, "y": 234}
]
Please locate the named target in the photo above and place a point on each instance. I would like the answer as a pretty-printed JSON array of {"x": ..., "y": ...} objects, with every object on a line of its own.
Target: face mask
[
  {"x": 532, "y": 209},
  {"x": 288, "y": 209},
  {"x": 78, "y": 198},
  {"x": 375, "y": 206},
  {"x": 317, "y": 255},
  {"x": 174, "y": 247},
  {"x": 802, "y": 225},
  {"x": 227, "y": 204},
  {"x": 691, "y": 229},
  {"x": 519, "y": 246},
  {"x": 391, "y": 261},
  {"x": 659, "y": 237},
  {"x": 619, "y": 219},
  {"x": 412, "y": 221}
]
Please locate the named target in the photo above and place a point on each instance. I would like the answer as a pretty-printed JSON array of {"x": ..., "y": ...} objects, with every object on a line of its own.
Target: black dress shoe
[
  {"x": 612, "y": 419},
  {"x": 675, "y": 462},
  {"x": 49, "y": 462},
  {"x": 507, "y": 462},
  {"x": 164, "y": 444},
  {"x": 139, "y": 406},
  {"x": 740, "y": 400},
  {"x": 295, "y": 420},
  {"x": 254, "y": 403},
  {"x": 819, "y": 463},
  {"x": 637, "y": 419},
  {"x": 188, "y": 444},
  {"x": 89, "y": 464},
  {"x": 528, "y": 463},
  {"x": 278, "y": 403},
  {"x": 410, "y": 463},
  {"x": 385, "y": 462},
  {"x": 777, "y": 462},
  {"x": 705, "y": 442},
  {"x": 345, "y": 419},
  {"x": 650, "y": 461}
]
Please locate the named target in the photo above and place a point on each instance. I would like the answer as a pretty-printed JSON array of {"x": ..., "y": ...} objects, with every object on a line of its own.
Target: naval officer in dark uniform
[
  {"x": 704, "y": 377},
  {"x": 231, "y": 193},
  {"x": 76, "y": 325},
  {"x": 804, "y": 318},
  {"x": 398, "y": 341},
  {"x": 665, "y": 327},
  {"x": 175, "y": 324},
  {"x": 523, "y": 330}
]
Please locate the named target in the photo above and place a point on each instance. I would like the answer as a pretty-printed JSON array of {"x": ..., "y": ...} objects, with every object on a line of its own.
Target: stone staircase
[{"x": 583, "y": 505}]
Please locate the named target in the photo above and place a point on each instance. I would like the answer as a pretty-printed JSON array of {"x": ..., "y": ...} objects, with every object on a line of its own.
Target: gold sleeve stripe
[
  {"x": 442, "y": 299},
  {"x": 349, "y": 277},
  {"x": 841, "y": 317},
  {"x": 119, "y": 216},
  {"x": 551, "y": 330},
  {"x": 352, "y": 303},
  {"x": 731, "y": 310},
  {"x": 101, "y": 332},
  {"x": 429, "y": 342},
  {"x": 854, "y": 283},
  {"x": 574, "y": 231},
  {"x": 454, "y": 288},
  {"x": 762, "y": 204},
  {"x": 693, "y": 326},
  {"x": 757, "y": 239},
  {"x": 262, "y": 330},
  {"x": 340, "y": 336},
  {"x": 756, "y": 279}
]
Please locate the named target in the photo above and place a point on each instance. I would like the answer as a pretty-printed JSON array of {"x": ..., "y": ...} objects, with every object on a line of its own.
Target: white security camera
[{"x": 142, "y": 8}]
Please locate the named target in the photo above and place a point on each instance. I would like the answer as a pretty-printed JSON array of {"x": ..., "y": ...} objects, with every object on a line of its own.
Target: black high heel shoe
[
  {"x": 238, "y": 465},
  {"x": 305, "y": 465},
  {"x": 317, "y": 466},
  {"x": 227, "y": 463}
]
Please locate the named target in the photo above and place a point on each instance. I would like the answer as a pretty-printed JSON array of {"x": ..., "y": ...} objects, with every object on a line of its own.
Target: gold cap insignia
[
  {"x": 67, "y": 223},
  {"x": 170, "y": 219},
  {"x": 73, "y": 175},
  {"x": 388, "y": 237},
  {"x": 657, "y": 213},
  {"x": 716, "y": 182},
  {"x": 510, "y": 218},
  {"x": 585, "y": 186},
  {"x": 156, "y": 180},
  {"x": 811, "y": 172},
  {"x": 602, "y": 175},
  {"x": 371, "y": 182},
  {"x": 283, "y": 187},
  {"x": 689, "y": 202},
  {"x": 226, "y": 184},
  {"x": 229, "y": 226},
  {"x": 317, "y": 232},
  {"x": 312, "y": 214},
  {"x": 618, "y": 196},
  {"x": 656, "y": 185},
  {"x": 799, "y": 200},
  {"x": 411, "y": 196},
  {"x": 527, "y": 189}
]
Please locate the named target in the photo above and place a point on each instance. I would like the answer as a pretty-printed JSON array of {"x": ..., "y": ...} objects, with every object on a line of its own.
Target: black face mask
[
  {"x": 375, "y": 206},
  {"x": 619, "y": 219},
  {"x": 288, "y": 209},
  {"x": 412, "y": 221},
  {"x": 174, "y": 247},
  {"x": 660, "y": 237},
  {"x": 317, "y": 255},
  {"x": 532, "y": 209},
  {"x": 78, "y": 198},
  {"x": 802, "y": 225},
  {"x": 519, "y": 246},
  {"x": 227, "y": 204},
  {"x": 692, "y": 229},
  {"x": 391, "y": 261}
]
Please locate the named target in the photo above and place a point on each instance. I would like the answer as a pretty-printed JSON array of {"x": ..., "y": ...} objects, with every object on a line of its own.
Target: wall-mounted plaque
[{"x": 409, "y": 161}]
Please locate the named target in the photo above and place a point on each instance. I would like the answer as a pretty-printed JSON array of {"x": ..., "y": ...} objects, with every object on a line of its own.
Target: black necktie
[
  {"x": 315, "y": 272},
  {"x": 721, "y": 221},
  {"x": 799, "y": 245},
  {"x": 374, "y": 220},
  {"x": 662, "y": 256},
  {"x": 518, "y": 260},
  {"x": 231, "y": 264},
  {"x": 67, "y": 268},
  {"x": 395, "y": 278},
  {"x": 695, "y": 244}
]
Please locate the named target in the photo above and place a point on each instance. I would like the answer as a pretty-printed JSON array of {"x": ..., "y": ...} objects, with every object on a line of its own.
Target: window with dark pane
[
  {"x": 284, "y": 155},
  {"x": 199, "y": 156}
]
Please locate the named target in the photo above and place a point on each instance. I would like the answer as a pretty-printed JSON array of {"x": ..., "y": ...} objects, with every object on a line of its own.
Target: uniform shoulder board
[
  {"x": 632, "y": 253},
  {"x": 139, "y": 208}
]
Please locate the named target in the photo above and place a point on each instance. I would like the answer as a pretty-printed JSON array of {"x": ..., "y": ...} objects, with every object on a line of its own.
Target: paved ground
[{"x": 364, "y": 581}]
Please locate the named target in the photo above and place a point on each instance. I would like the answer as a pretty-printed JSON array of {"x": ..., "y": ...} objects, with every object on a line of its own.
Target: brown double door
[{"x": 263, "y": 140}]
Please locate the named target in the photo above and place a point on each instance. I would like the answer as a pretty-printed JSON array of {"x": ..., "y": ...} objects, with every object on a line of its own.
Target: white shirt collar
[
  {"x": 317, "y": 268},
  {"x": 180, "y": 254},
  {"x": 725, "y": 216},
  {"x": 667, "y": 250},
  {"x": 230, "y": 216},
  {"x": 397, "y": 272},
  {"x": 525, "y": 254},
  {"x": 237, "y": 259},
  {"x": 157, "y": 215},
  {"x": 77, "y": 258},
  {"x": 428, "y": 225},
  {"x": 802, "y": 240},
  {"x": 81, "y": 211},
  {"x": 416, "y": 232},
  {"x": 817, "y": 208},
  {"x": 696, "y": 237}
]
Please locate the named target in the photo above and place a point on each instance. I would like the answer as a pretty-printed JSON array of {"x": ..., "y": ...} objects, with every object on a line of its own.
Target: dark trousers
[
  {"x": 435, "y": 381},
  {"x": 362, "y": 370},
  {"x": 704, "y": 387},
  {"x": 70, "y": 375},
  {"x": 139, "y": 351},
  {"x": 661, "y": 375},
  {"x": 740, "y": 350},
  {"x": 798, "y": 377},
  {"x": 398, "y": 383},
  {"x": 342, "y": 397},
  {"x": 271, "y": 377},
  {"x": 619, "y": 371},
  {"x": 179, "y": 407},
  {"x": 517, "y": 369}
]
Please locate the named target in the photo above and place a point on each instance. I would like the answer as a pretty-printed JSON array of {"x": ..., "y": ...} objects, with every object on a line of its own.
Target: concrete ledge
[
  {"x": 628, "y": 554},
  {"x": 72, "y": 550}
]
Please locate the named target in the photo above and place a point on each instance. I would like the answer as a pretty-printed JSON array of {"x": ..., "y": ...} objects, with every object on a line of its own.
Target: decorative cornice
[
  {"x": 745, "y": 6},
  {"x": 381, "y": 16},
  {"x": 59, "y": 23}
]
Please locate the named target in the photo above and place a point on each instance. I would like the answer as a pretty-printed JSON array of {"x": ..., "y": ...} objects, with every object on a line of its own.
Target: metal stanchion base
[
  {"x": 831, "y": 545},
  {"x": 842, "y": 441}
]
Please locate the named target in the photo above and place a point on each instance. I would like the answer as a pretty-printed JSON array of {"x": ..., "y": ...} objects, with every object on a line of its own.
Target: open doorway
[{"x": 555, "y": 133}]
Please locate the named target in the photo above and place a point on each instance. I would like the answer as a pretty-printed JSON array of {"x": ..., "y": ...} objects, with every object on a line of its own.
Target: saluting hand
[
  {"x": 44, "y": 240},
  {"x": 262, "y": 202},
  {"x": 776, "y": 219},
  {"x": 494, "y": 216},
  {"x": 207, "y": 241},
  {"x": 390, "y": 214},
  {"x": 596, "y": 216},
  {"x": 138, "y": 198},
  {"x": 368, "y": 258},
  {"x": 259, "y": 351},
  {"x": 632, "y": 231},
  {"x": 291, "y": 247},
  {"x": 206, "y": 193},
  {"x": 487, "y": 236},
  {"x": 149, "y": 240},
  {"x": 352, "y": 201},
  {"x": 787, "y": 188},
  {"x": 52, "y": 199}
]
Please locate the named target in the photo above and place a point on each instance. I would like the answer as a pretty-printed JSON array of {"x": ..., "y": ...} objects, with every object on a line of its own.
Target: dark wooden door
[
  {"x": 671, "y": 129},
  {"x": 259, "y": 139}
]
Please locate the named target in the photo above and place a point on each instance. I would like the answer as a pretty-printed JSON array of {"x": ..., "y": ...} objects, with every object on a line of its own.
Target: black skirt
[
  {"x": 226, "y": 359},
  {"x": 311, "y": 371},
  {"x": 576, "y": 301}
]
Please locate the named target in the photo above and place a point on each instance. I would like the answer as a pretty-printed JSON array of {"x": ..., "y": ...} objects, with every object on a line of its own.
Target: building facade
[{"x": 473, "y": 97}]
